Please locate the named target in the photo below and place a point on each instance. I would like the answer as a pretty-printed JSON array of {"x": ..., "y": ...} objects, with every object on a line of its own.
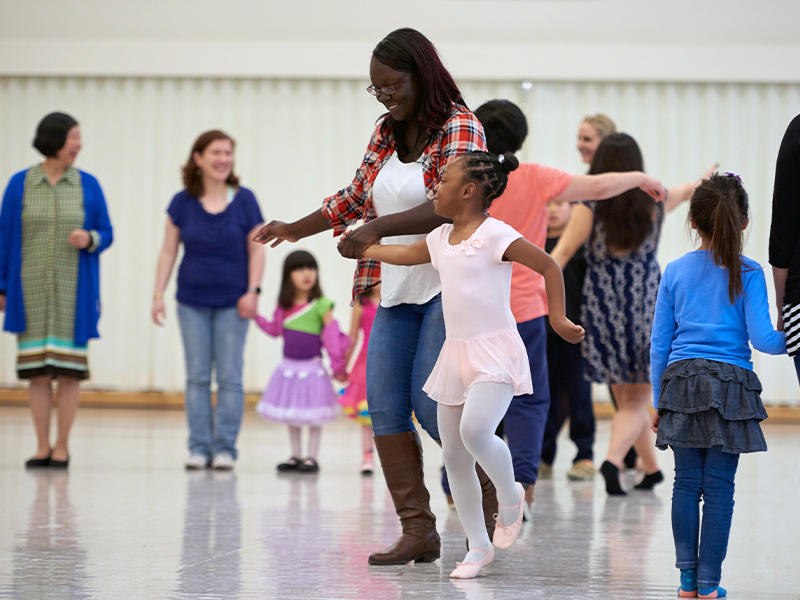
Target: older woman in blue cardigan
[{"x": 53, "y": 226}]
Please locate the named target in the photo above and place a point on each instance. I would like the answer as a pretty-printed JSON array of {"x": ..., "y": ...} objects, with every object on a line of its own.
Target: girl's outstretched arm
[
  {"x": 577, "y": 232},
  {"x": 608, "y": 185},
  {"x": 681, "y": 193},
  {"x": 533, "y": 257},
  {"x": 415, "y": 254}
]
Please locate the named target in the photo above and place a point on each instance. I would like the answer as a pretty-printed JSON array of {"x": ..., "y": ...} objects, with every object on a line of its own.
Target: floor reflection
[
  {"x": 49, "y": 558},
  {"x": 212, "y": 537}
]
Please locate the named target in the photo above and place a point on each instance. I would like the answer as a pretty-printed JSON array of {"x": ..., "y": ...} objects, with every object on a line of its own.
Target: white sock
[{"x": 467, "y": 433}]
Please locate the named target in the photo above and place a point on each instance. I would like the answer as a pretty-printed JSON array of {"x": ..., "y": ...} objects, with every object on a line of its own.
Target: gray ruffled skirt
[{"x": 705, "y": 403}]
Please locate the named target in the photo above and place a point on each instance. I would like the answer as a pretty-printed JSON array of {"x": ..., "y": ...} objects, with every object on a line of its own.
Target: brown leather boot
[{"x": 401, "y": 461}]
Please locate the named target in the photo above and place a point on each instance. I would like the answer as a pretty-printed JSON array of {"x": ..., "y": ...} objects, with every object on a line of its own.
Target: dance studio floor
[{"x": 126, "y": 522}]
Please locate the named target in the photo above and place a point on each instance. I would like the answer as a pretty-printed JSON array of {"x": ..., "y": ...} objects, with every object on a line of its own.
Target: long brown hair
[
  {"x": 298, "y": 259},
  {"x": 192, "y": 176},
  {"x": 719, "y": 209},
  {"x": 627, "y": 218}
]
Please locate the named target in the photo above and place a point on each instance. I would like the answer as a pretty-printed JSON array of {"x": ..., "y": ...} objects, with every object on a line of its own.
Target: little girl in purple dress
[{"x": 300, "y": 391}]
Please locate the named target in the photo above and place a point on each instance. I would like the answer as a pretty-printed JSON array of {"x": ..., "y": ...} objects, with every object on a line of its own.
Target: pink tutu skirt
[
  {"x": 499, "y": 357},
  {"x": 299, "y": 393}
]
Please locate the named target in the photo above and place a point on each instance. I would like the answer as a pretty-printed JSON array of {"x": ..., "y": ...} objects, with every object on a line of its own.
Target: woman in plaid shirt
[{"x": 426, "y": 126}]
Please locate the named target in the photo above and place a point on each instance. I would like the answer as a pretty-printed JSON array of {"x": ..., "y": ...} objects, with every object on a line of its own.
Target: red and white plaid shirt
[{"x": 461, "y": 133}]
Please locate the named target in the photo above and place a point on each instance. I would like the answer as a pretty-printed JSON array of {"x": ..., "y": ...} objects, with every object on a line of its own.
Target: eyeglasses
[{"x": 388, "y": 90}]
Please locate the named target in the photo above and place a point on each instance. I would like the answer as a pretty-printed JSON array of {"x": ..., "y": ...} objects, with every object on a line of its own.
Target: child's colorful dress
[
  {"x": 354, "y": 399},
  {"x": 300, "y": 390}
]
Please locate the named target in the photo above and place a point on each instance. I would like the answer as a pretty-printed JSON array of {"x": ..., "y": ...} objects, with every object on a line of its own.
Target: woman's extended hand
[
  {"x": 568, "y": 330},
  {"x": 80, "y": 238},
  {"x": 654, "y": 422},
  {"x": 710, "y": 171},
  {"x": 353, "y": 244},
  {"x": 276, "y": 232},
  {"x": 248, "y": 305},
  {"x": 158, "y": 312},
  {"x": 654, "y": 188}
]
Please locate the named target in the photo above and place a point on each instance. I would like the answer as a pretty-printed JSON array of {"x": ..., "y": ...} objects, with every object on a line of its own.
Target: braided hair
[{"x": 490, "y": 172}]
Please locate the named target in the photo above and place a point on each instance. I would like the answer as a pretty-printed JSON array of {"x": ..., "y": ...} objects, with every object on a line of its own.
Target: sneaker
[
  {"x": 582, "y": 470},
  {"x": 545, "y": 470},
  {"x": 222, "y": 462},
  {"x": 196, "y": 462}
]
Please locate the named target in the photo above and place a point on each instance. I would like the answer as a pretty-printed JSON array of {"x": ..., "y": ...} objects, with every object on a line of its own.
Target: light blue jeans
[
  {"x": 404, "y": 344},
  {"x": 213, "y": 340}
]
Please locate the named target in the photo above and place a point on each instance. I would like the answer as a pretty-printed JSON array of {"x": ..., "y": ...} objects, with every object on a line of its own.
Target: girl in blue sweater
[{"x": 711, "y": 303}]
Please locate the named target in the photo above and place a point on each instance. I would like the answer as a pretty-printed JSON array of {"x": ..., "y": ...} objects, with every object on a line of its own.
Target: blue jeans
[
  {"x": 404, "y": 344},
  {"x": 570, "y": 396},
  {"x": 213, "y": 339},
  {"x": 706, "y": 473},
  {"x": 527, "y": 416}
]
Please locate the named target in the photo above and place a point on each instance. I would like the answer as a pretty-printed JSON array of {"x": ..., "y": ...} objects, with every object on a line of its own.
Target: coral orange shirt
[{"x": 523, "y": 205}]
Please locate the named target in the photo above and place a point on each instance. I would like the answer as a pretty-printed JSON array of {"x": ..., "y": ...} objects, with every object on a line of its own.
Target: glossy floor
[{"x": 126, "y": 521}]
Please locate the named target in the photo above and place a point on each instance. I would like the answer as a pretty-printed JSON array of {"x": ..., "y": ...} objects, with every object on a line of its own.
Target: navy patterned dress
[{"x": 619, "y": 302}]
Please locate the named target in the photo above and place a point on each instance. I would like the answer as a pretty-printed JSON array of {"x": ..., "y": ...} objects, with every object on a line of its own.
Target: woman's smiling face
[{"x": 403, "y": 104}]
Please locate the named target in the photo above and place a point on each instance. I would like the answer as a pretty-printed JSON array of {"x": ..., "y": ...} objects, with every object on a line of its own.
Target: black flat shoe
[
  {"x": 59, "y": 464},
  {"x": 290, "y": 465},
  {"x": 611, "y": 474},
  {"x": 309, "y": 465},
  {"x": 37, "y": 463},
  {"x": 650, "y": 481}
]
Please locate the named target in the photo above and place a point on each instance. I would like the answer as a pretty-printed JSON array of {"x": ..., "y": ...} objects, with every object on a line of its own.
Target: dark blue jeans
[
  {"x": 404, "y": 344},
  {"x": 571, "y": 396},
  {"x": 707, "y": 474},
  {"x": 526, "y": 417}
]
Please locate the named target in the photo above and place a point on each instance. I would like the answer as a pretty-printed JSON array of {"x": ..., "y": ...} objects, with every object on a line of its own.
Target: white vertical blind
[{"x": 301, "y": 140}]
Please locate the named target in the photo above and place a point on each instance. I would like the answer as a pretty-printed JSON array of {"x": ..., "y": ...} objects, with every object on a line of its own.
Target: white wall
[
  {"x": 694, "y": 82},
  {"x": 300, "y": 140}
]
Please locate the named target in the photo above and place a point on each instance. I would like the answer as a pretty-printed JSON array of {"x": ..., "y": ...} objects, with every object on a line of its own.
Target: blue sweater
[
  {"x": 695, "y": 318},
  {"x": 87, "y": 301}
]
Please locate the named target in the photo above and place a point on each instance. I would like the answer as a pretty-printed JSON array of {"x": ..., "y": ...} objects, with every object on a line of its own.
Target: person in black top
[
  {"x": 784, "y": 239},
  {"x": 570, "y": 393}
]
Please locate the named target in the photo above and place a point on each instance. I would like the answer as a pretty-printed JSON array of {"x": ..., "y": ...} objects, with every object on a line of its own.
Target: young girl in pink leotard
[{"x": 483, "y": 362}]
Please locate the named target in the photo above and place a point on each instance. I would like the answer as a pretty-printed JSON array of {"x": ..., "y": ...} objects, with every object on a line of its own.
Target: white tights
[{"x": 468, "y": 434}]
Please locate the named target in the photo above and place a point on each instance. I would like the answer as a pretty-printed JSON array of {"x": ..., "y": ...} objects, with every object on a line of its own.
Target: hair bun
[{"x": 508, "y": 162}]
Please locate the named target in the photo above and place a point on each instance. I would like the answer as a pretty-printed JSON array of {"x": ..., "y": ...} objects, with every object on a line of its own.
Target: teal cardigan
[{"x": 87, "y": 301}]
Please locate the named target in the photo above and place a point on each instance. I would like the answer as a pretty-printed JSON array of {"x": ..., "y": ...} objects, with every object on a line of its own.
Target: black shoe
[
  {"x": 309, "y": 465},
  {"x": 630, "y": 459},
  {"x": 611, "y": 474},
  {"x": 37, "y": 463},
  {"x": 59, "y": 464},
  {"x": 650, "y": 481},
  {"x": 290, "y": 465}
]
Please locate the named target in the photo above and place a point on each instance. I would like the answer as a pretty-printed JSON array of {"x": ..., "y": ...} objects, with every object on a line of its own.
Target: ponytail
[{"x": 719, "y": 208}]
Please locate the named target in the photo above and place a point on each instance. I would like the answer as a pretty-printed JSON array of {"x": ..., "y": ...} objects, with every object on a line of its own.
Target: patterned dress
[
  {"x": 619, "y": 301},
  {"x": 50, "y": 277}
]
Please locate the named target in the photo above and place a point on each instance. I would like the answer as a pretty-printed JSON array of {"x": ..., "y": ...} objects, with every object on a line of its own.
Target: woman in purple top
[{"x": 218, "y": 287}]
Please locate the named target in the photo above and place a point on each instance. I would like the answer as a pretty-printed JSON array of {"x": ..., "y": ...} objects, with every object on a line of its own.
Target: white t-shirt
[{"x": 398, "y": 187}]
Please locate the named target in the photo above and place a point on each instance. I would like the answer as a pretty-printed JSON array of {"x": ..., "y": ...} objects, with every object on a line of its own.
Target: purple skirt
[{"x": 299, "y": 393}]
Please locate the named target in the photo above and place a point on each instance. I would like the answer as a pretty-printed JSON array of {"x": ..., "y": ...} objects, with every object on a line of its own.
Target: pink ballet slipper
[
  {"x": 505, "y": 536},
  {"x": 471, "y": 569}
]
